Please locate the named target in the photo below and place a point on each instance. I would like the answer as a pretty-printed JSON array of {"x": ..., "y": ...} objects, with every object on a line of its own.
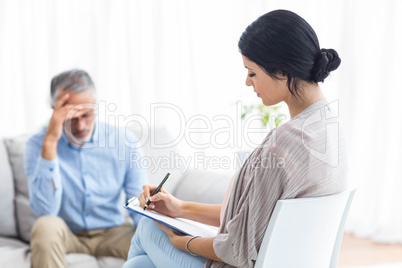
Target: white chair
[{"x": 305, "y": 232}]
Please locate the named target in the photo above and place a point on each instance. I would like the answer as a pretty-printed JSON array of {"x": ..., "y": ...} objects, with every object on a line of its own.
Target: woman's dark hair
[{"x": 282, "y": 42}]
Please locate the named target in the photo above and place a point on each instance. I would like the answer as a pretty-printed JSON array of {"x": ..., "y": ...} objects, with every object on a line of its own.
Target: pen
[{"x": 157, "y": 189}]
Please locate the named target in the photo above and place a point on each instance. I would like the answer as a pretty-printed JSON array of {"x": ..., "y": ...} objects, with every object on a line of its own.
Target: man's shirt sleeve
[{"x": 45, "y": 188}]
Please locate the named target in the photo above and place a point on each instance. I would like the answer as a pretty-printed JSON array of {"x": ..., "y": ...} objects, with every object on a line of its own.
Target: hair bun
[{"x": 326, "y": 61}]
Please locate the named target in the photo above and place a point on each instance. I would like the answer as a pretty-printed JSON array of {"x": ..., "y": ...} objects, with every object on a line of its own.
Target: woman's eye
[{"x": 251, "y": 75}]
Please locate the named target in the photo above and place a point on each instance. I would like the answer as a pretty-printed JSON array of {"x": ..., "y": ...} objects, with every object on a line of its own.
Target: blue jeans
[{"x": 151, "y": 247}]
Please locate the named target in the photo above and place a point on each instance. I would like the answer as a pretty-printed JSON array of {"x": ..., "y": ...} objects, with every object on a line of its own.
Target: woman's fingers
[
  {"x": 146, "y": 195},
  {"x": 147, "y": 190},
  {"x": 169, "y": 231},
  {"x": 163, "y": 200},
  {"x": 141, "y": 198},
  {"x": 150, "y": 189},
  {"x": 160, "y": 197}
]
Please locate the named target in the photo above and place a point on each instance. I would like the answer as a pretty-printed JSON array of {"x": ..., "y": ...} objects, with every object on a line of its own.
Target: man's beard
[{"x": 78, "y": 140}]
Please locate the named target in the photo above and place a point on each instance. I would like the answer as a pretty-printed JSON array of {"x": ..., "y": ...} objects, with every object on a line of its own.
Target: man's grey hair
[{"x": 75, "y": 81}]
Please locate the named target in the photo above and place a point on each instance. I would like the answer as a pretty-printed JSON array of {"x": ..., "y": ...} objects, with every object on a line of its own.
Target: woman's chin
[
  {"x": 266, "y": 103},
  {"x": 269, "y": 103}
]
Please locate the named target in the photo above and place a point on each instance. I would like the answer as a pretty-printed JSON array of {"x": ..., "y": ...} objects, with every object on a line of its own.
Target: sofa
[{"x": 16, "y": 217}]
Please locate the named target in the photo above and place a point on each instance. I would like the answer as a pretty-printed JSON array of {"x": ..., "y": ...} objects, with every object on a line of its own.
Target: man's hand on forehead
[
  {"x": 84, "y": 112},
  {"x": 75, "y": 110}
]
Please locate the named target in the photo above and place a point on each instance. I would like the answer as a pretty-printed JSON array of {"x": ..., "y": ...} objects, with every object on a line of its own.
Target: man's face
[{"x": 79, "y": 128}]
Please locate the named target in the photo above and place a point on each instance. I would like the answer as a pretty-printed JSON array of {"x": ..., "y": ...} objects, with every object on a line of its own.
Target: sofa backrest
[
  {"x": 8, "y": 225},
  {"x": 24, "y": 215},
  {"x": 159, "y": 156},
  {"x": 203, "y": 186}
]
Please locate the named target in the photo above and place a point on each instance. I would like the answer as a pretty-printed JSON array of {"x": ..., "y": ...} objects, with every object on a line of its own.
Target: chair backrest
[{"x": 305, "y": 232}]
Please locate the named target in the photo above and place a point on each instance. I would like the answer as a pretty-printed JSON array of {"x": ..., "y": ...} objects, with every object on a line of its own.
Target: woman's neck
[{"x": 309, "y": 94}]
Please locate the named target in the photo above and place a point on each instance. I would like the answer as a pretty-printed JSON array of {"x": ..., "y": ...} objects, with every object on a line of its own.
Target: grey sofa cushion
[
  {"x": 25, "y": 216},
  {"x": 110, "y": 262},
  {"x": 14, "y": 253},
  {"x": 78, "y": 260},
  {"x": 7, "y": 215}
]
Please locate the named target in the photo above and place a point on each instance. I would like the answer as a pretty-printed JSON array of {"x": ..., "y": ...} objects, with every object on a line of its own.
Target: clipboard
[{"x": 185, "y": 226}]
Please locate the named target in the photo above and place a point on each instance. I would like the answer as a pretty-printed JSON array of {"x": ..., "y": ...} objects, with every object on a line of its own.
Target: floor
[{"x": 359, "y": 251}]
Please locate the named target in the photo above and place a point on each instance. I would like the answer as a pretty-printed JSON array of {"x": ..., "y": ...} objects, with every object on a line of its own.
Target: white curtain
[
  {"x": 370, "y": 90},
  {"x": 154, "y": 62}
]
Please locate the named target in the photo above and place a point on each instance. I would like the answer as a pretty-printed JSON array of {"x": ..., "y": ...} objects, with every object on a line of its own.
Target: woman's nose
[{"x": 248, "y": 81}]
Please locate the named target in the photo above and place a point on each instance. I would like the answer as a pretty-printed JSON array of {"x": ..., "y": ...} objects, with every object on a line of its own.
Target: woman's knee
[
  {"x": 144, "y": 225},
  {"x": 146, "y": 229},
  {"x": 146, "y": 235}
]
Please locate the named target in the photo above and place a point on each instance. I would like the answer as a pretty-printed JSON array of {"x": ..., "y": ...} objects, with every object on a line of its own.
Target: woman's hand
[
  {"x": 171, "y": 233},
  {"x": 177, "y": 240},
  {"x": 163, "y": 202}
]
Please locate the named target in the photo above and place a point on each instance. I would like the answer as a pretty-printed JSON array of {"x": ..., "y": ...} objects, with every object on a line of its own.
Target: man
[{"x": 77, "y": 168}]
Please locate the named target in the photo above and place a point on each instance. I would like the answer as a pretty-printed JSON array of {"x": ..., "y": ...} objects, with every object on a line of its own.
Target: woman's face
[{"x": 271, "y": 91}]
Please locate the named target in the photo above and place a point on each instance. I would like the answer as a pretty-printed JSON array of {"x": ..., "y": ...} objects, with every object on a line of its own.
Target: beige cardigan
[{"x": 304, "y": 157}]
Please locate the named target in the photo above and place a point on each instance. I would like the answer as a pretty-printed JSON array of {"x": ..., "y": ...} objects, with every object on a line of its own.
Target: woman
[{"x": 281, "y": 53}]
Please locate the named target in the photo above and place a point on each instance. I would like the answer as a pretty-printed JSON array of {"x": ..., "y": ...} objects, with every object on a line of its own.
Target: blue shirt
[{"x": 88, "y": 180}]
